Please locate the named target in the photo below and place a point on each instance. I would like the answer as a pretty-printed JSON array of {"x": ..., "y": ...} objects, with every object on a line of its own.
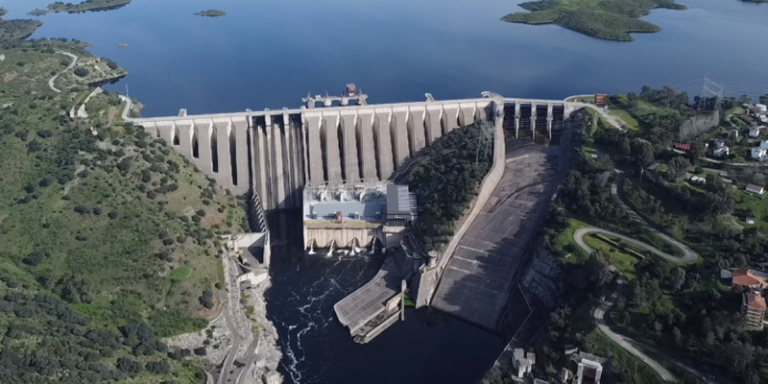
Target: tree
[
  {"x": 33, "y": 259},
  {"x": 676, "y": 279},
  {"x": 678, "y": 166},
  {"x": 626, "y": 148},
  {"x": 81, "y": 72},
  {"x": 642, "y": 152},
  {"x": 697, "y": 150}
]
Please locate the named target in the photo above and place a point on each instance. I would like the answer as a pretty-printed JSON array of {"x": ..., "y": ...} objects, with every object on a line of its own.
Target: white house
[
  {"x": 764, "y": 144},
  {"x": 759, "y": 153},
  {"x": 697, "y": 180},
  {"x": 756, "y": 189},
  {"x": 755, "y": 131},
  {"x": 721, "y": 151}
]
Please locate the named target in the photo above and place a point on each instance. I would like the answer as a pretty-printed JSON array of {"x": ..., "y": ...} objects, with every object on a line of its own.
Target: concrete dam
[{"x": 282, "y": 155}]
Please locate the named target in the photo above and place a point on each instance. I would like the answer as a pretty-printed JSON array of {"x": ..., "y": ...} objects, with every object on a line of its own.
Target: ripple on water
[{"x": 317, "y": 349}]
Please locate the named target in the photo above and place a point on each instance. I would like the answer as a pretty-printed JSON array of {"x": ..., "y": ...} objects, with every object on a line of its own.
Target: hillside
[{"x": 109, "y": 237}]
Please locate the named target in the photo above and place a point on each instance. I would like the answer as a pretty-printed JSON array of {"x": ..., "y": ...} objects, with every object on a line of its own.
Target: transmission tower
[
  {"x": 712, "y": 89},
  {"x": 484, "y": 146}
]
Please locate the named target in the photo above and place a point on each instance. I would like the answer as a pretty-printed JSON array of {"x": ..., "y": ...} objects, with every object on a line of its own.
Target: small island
[
  {"x": 85, "y": 6},
  {"x": 122, "y": 45},
  {"x": 211, "y": 13},
  {"x": 603, "y": 19}
]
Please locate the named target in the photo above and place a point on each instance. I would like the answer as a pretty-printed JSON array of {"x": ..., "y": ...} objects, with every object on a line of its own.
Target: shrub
[
  {"x": 113, "y": 215},
  {"x": 33, "y": 259},
  {"x": 206, "y": 299},
  {"x": 200, "y": 351},
  {"x": 82, "y": 72},
  {"x": 82, "y": 210}
]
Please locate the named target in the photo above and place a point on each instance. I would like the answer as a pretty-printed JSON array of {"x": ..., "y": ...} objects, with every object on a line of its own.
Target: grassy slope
[
  {"x": 106, "y": 266},
  {"x": 604, "y": 19}
]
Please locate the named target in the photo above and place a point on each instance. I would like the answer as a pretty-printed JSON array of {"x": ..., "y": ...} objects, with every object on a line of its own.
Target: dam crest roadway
[{"x": 276, "y": 155}]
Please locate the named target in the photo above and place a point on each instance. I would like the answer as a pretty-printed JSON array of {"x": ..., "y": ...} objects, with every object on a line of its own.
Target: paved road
[
  {"x": 613, "y": 120},
  {"x": 128, "y": 106},
  {"x": 629, "y": 344},
  {"x": 578, "y": 237},
  {"x": 689, "y": 256},
  {"x": 623, "y": 341},
  {"x": 56, "y": 76}
]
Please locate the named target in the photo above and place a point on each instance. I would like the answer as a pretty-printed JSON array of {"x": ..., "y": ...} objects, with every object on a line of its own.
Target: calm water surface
[{"x": 270, "y": 53}]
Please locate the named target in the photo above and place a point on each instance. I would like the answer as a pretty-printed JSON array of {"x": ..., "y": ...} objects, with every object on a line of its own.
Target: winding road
[
  {"x": 689, "y": 257},
  {"x": 56, "y": 76},
  {"x": 613, "y": 120},
  {"x": 623, "y": 341},
  {"x": 128, "y": 106}
]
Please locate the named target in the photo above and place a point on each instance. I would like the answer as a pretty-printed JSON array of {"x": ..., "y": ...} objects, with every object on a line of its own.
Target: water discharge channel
[{"x": 428, "y": 347}]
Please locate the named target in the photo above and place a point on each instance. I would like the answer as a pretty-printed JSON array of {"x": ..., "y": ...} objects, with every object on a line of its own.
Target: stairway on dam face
[{"x": 479, "y": 277}]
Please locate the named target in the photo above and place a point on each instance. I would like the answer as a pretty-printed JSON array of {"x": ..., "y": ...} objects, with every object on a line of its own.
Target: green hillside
[{"x": 97, "y": 222}]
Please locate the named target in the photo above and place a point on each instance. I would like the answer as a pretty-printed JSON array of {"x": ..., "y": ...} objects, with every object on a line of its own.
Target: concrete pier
[{"x": 375, "y": 306}]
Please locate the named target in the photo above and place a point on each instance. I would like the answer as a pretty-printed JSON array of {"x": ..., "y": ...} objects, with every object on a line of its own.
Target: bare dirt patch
[{"x": 10, "y": 76}]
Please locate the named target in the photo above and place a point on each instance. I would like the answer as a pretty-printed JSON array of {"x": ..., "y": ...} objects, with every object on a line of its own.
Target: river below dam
[
  {"x": 270, "y": 53},
  {"x": 428, "y": 347}
]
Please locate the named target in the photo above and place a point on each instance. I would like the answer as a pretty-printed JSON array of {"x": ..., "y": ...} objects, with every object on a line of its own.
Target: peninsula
[
  {"x": 211, "y": 13},
  {"x": 14, "y": 30},
  {"x": 603, "y": 19},
  {"x": 85, "y": 6}
]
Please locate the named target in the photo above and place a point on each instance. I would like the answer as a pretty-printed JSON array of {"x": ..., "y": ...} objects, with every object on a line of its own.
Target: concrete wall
[
  {"x": 344, "y": 236},
  {"x": 278, "y": 152},
  {"x": 211, "y": 145},
  {"x": 368, "y": 143}
]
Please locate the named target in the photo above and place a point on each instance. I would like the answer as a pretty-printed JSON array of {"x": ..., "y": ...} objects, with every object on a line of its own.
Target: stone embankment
[
  {"x": 241, "y": 340},
  {"x": 268, "y": 353}
]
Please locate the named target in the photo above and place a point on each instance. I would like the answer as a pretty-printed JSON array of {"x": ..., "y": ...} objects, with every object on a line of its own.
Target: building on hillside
[
  {"x": 721, "y": 152},
  {"x": 754, "y": 132},
  {"x": 756, "y": 189},
  {"x": 683, "y": 147},
  {"x": 590, "y": 369},
  {"x": 753, "y": 310},
  {"x": 401, "y": 206},
  {"x": 758, "y": 110},
  {"x": 764, "y": 144},
  {"x": 601, "y": 99},
  {"x": 523, "y": 362},
  {"x": 697, "y": 180},
  {"x": 750, "y": 220},
  {"x": 759, "y": 153},
  {"x": 749, "y": 278}
]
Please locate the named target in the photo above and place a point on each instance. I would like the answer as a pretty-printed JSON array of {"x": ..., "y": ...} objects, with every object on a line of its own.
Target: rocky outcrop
[{"x": 543, "y": 277}]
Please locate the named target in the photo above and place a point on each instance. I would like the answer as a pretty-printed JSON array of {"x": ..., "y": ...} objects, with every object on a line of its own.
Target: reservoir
[{"x": 270, "y": 53}]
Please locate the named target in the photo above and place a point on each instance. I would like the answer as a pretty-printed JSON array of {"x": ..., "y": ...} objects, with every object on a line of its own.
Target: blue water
[{"x": 270, "y": 53}]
